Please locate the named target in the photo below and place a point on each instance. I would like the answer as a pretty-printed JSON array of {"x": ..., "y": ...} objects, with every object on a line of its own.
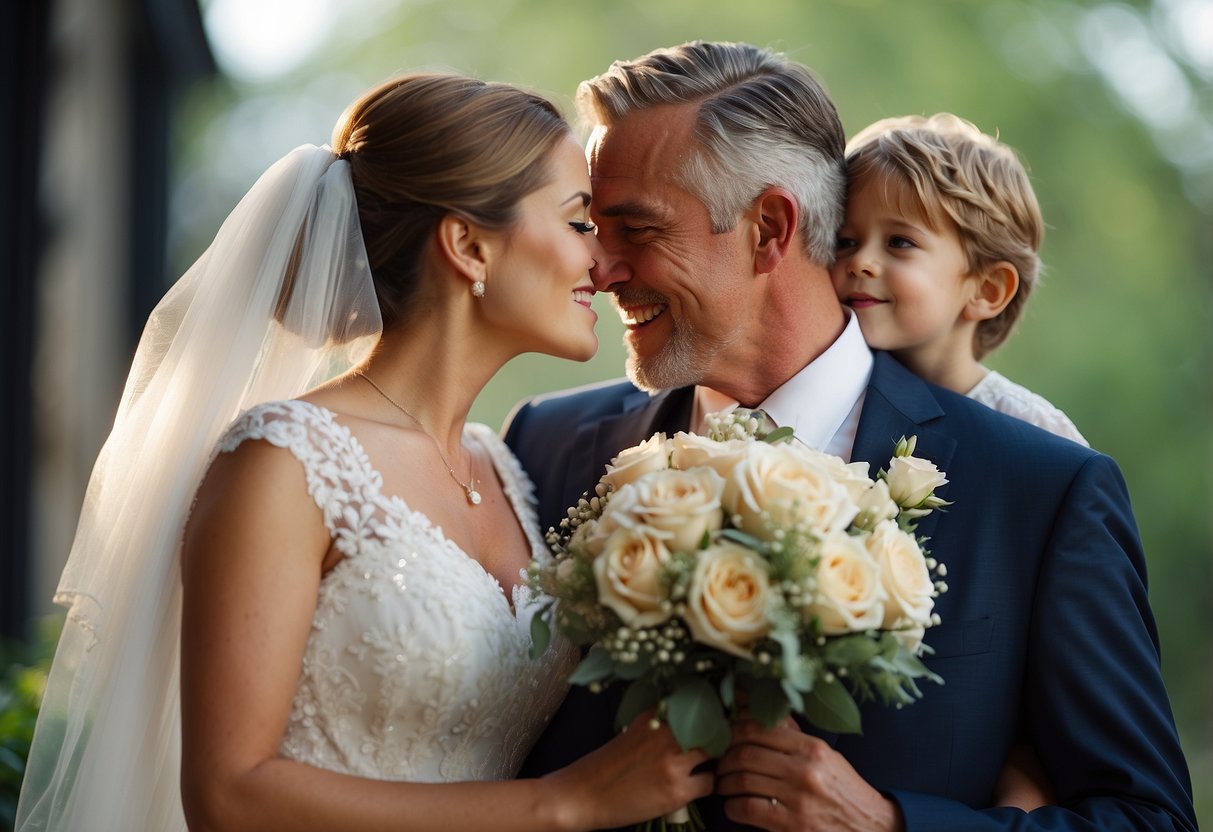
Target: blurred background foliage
[{"x": 1110, "y": 104}]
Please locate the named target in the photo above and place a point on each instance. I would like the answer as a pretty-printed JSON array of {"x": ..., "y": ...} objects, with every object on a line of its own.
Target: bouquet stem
[{"x": 686, "y": 819}]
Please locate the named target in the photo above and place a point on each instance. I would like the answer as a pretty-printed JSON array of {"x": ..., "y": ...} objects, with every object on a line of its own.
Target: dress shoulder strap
[{"x": 340, "y": 477}]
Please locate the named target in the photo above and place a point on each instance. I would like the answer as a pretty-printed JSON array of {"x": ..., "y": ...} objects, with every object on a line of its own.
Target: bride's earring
[{"x": 478, "y": 289}]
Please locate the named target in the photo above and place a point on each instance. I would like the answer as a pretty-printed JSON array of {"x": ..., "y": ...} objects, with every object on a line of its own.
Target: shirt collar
[{"x": 817, "y": 401}]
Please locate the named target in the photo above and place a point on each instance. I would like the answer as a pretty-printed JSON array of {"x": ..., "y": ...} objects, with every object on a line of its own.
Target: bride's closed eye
[{"x": 586, "y": 227}]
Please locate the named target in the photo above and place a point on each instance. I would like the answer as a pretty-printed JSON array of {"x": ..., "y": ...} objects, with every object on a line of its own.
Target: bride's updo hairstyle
[{"x": 426, "y": 145}]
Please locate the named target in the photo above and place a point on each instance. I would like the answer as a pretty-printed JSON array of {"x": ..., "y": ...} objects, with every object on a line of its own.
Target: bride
[{"x": 314, "y": 616}]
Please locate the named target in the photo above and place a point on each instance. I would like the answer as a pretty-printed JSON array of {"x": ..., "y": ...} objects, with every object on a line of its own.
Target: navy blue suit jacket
[{"x": 1046, "y": 633}]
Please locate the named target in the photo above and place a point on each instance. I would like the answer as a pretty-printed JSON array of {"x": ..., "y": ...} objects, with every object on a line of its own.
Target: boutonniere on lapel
[{"x": 743, "y": 569}]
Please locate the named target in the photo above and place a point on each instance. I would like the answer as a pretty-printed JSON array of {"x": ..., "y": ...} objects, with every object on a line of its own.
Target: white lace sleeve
[
  {"x": 998, "y": 392},
  {"x": 340, "y": 478}
]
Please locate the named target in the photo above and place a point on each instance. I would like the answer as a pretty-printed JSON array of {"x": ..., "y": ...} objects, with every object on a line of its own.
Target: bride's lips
[{"x": 862, "y": 301}]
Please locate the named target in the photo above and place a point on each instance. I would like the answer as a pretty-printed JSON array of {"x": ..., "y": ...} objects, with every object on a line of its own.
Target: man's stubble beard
[{"x": 683, "y": 360}]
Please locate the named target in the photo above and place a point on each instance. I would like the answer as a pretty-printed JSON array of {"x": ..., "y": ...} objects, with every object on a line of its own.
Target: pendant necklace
[{"x": 468, "y": 487}]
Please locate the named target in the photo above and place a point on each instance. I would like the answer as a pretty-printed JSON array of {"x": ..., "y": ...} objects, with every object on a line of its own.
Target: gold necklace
[{"x": 468, "y": 487}]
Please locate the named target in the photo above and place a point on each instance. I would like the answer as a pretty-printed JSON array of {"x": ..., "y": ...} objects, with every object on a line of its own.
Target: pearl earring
[{"x": 478, "y": 289}]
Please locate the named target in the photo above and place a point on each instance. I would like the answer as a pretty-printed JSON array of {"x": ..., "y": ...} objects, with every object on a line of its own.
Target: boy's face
[{"x": 907, "y": 281}]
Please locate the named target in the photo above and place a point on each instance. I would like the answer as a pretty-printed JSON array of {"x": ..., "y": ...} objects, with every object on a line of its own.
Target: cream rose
[
  {"x": 628, "y": 574},
  {"x": 875, "y": 506},
  {"x": 675, "y": 506},
  {"x": 849, "y": 596},
  {"x": 911, "y": 638},
  {"x": 690, "y": 450},
  {"x": 853, "y": 476},
  {"x": 727, "y": 599},
  {"x": 912, "y": 480},
  {"x": 904, "y": 574},
  {"x": 781, "y": 483},
  {"x": 653, "y": 454}
]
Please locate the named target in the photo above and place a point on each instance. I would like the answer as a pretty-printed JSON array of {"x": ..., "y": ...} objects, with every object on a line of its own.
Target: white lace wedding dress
[{"x": 416, "y": 667}]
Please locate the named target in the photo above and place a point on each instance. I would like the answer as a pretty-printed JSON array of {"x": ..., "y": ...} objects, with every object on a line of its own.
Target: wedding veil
[{"x": 280, "y": 301}]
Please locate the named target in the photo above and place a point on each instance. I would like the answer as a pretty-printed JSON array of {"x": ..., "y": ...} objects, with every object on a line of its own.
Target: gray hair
[{"x": 763, "y": 121}]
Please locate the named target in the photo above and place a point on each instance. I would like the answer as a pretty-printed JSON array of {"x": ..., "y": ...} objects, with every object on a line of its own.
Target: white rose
[
  {"x": 776, "y": 485},
  {"x": 628, "y": 574},
  {"x": 727, "y": 599},
  {"x": 653, "y": 454},
  {"x": 904, "y": 574},
  {"x": 676, "y": 506},
  {"x": 849, "y": 596},
  {"x": 912, "y": 480},
  {"x": 690, "y": 450},
  {"x": 875, "y": 506}
]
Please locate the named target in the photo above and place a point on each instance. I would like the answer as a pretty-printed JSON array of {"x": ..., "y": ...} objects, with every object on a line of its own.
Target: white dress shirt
[{"x": 821, "y": 403}]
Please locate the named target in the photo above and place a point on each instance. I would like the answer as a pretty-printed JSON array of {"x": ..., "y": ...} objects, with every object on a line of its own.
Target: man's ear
[
  {"x": 775, "y": 214},
  {"x": 994, "y": 289},
  {"x": 463, "y": 245}
]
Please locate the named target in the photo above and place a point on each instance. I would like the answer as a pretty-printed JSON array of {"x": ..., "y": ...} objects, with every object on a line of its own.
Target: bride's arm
[{"x": 252, "y": 562}]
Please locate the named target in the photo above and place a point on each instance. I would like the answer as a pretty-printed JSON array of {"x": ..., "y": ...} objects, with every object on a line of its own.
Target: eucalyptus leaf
[
  {"x": 831, "y": 707},
  {"x": 800, "y": 673},
  {"x": 541, "y": 635},
  {"x": 795, "y": 699},
  {"x": 594, "y": 667},
  {"x": 721, "y": 738},
  {"x": 796, "y": 668},
  {"x": 697, "y": 718},
  {"x": 747, "y": 540},
  {"x": 639, "y": 697},
  {"x": 850, "y": 651},
  {"x": 912, "y": 666},
  {"x": 778, "y": 435},
  {"x": 573, "y": 626},
  {"x": 768, "y": 703},
  {"x": 728, "y": 690},
  {"x": 636, "y": 669}
]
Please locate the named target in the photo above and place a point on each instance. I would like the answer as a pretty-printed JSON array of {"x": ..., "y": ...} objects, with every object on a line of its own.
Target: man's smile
[{"x": 639, "y": 314}]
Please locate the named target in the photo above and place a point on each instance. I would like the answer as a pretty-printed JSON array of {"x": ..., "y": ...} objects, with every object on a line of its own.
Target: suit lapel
[
  {"x": 899, "y": 403},
  {"x": 600, "y": 441}
]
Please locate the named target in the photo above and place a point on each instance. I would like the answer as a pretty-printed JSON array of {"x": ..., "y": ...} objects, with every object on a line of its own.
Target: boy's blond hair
[{"x": 960, "y": 174}]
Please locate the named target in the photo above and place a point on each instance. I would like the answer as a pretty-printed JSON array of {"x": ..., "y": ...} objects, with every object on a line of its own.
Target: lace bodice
[{"x": 416, "y": 667}]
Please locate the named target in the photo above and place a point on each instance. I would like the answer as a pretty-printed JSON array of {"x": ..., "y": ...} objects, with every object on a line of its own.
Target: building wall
[
  {"x": 81, "y": 352},
  {"x": 91, "y": 88}
]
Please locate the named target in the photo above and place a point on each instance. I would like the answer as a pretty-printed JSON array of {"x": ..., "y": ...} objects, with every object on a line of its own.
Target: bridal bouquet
[{"x": 701, "y": 567}]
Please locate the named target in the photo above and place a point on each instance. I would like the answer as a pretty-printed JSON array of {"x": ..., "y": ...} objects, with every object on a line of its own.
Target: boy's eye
[
  {"x": 845, "y": 243},
  {"x": 583, "y": 227},
  {"x": 897, "y": 241}
]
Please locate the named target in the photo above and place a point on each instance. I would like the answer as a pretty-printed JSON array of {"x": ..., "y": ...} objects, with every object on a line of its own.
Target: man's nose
[{"x": 609, "y": 270}]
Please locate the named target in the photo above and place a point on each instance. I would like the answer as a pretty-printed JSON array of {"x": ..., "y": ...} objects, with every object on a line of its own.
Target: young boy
[
  {"x": 937, "y": 257},
  {"x": 939, "y": 252}
]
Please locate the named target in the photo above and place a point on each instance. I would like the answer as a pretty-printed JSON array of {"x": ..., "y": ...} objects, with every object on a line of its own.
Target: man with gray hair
[{"x": 718, "y": 182}]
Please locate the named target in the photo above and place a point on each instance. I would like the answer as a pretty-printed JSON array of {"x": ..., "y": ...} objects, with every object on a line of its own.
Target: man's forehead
[{"x": 651, "y": 143}]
